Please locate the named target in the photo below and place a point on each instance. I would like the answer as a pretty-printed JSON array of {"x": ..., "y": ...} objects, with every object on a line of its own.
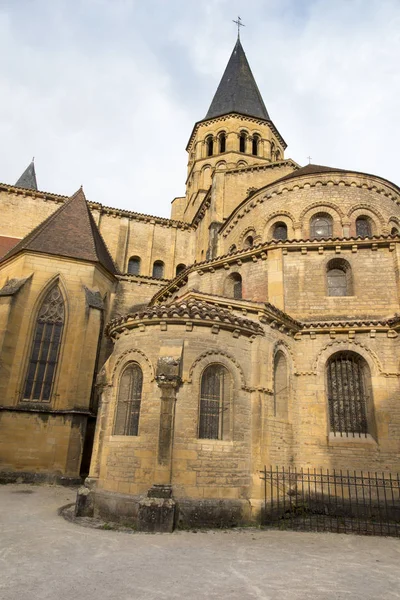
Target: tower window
[
  {"x": 210, "y": 145},
  {"x": 45, "y": 348},
  {"x": 180, "y": 268},
  {"x": 348, "y": 390},
  {"x": 222, "y": 142},
  {"x": 134, "y": 265},
  {"x": 158, "y": 269},
  {"x": 215, "y": 391},
  {"x": 321, "y": 226},
  {"x": 254, "y": 145},
  {"x": 242, "y": 142},
  {"x": 280, "y": 231},
  {"x": 339, "y": 278},
  {"x": 363, "y": 227},
  {"x": 233, "y": 286},
  {"x": 129, "y": 400}
]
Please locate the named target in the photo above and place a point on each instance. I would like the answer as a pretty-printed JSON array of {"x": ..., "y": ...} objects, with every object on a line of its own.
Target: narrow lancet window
[
  {"x": 210, "y": 145},
  {"x": 45, "y": 348},
  {"x": 129, "y": 400},
  {"x": 254, "y": 145},
  {"x": 222, "y": 142},
  {"x": 242, "y": 142},
  {"x": 214, "y": 403}
]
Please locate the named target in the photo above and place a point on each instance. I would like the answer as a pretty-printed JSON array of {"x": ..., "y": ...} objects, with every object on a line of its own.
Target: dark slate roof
[
  {"x": 28, "y": 178},
  {"x": 72, "y": 232},
  {"x": 238, "y": 91},
  {"x": 311, "y": 170}
]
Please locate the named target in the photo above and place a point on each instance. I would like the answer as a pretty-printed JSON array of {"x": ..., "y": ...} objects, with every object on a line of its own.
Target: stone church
[{"x": 258, "y": 325}]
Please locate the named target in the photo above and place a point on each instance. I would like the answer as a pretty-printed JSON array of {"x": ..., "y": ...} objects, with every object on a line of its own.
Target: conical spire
[
  {"x": 71, "y": 232},
  {"x": 238, "y": 91},
  {"x": 28, "y": 178}
]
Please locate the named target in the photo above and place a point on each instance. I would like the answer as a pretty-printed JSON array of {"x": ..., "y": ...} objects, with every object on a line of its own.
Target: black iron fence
[{"x": 338, "y": 501}]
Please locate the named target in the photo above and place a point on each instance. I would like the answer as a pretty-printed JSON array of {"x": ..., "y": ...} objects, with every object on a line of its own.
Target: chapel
[{"x": 174, "y": 358}]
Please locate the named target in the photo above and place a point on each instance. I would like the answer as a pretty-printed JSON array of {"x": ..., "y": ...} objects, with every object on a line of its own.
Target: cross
[
  {"x": 309, "y": 159},
  {"x": 239, "y": 25}
]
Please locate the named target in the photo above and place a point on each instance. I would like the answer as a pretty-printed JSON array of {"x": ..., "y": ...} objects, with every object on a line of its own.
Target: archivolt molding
[
  {"x": 368, "y": 207},
  {"x": 278, "y": 345},
  {"x": 278, "y": 213},
  {"x": 216, "y": 354},
  {"x": 246, "y": 232},
  {"x": 321, "y": 205},
  {"x": 394, "y": 220},
  {"x": 346, "y": 345},
  {"x": 128, "y": 356}
]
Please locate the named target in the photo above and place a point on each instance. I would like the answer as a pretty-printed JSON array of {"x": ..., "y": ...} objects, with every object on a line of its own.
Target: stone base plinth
[{"x": 156, "y": 515}]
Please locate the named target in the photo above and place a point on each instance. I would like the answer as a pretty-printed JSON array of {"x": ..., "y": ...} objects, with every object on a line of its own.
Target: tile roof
[
  {"x": 71, "y": 232},
  {"x": 28, "y": 178},
  {"x": 238, "y": 91},
  {"x": 6, "y": 243}
]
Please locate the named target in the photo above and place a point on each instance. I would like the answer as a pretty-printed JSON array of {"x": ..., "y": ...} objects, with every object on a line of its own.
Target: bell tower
[{"x": 237, "y": 132}]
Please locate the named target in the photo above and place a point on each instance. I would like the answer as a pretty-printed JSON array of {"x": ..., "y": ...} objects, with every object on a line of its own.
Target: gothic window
[
  {"x": 281, "y": 386},
  {"x": 180, "y": 268},
  {"x": 321, "y": 226},
  {"x": 222, "y": 142},
  {"x": 134, "y": 265},
  {"x": 254, "y": 144},
  {"x": 45, "y": 348},
  {"x": 280, "y": 231},
  {"x": 339, "y": 278},
  {"x": 158, "y": 269},
  {"x": 210, "y": 145},
  {"x": 363, "y": 227},
  {"x": 348, "y": 394},
  {"x": 215, "y": 392},
  {"x": 129, "y": 399},
  {"x": 242, "y": 142},
  {"x": 233, "y": 286}
]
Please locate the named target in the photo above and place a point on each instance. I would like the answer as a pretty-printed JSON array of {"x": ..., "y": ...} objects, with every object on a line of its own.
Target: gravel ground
[{"x": 42, "y": 557}]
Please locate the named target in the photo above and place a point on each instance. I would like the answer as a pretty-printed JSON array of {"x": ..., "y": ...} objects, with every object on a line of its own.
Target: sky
[{"x": 105, "y": 93}]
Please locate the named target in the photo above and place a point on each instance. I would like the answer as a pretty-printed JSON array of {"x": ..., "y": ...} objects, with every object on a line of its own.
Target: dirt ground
[{"x": 42, "y": 556}]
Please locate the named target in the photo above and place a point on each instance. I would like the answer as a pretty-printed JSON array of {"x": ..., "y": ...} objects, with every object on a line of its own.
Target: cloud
[{"x": 105, "y": 93}]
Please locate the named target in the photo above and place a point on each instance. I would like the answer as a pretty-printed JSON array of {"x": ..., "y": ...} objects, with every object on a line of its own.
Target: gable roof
[
  {"x": 28, "y": 178},
  {"x": 238, "y": 91},
  {"x": 71, "y": 232}
]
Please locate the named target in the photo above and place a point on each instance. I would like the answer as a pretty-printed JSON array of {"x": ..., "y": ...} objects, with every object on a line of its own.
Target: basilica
[{"x": 174, "y": 358}]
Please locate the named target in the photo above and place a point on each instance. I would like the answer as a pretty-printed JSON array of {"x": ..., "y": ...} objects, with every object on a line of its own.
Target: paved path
[{"x": 42, "y": 557}]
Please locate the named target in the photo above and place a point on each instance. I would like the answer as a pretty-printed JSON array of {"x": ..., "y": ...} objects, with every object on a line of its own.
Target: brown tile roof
[
  {"x": 71, "y": 232},
  {"x": 6, "y": 243}
]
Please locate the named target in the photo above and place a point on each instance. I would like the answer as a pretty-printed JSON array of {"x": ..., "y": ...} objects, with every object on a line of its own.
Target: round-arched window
[
  {"x": 280, "y": 231},
  {"x": 321, "y": 226},
  {"x": 363, "y": 227}
]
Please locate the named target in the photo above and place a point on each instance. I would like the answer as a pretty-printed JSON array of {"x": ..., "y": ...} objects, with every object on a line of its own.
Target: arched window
[
  {"x": 321, "y": 226},
  {"x": 134, "y": 265},
  {"x": 349, "y": 394},
  {"x": 254, "y": 144},
  {"x": 281, "y": 386},
  {"x": 363, "y": 227},
  {"x": 280, "y": 231},
  {"x": 278, "y": 155},
  {"x": 339, "y": 278},
  {"x": 180, "y": 268},
  {"x": 210, "y": 145},
  {"x": 242, "y": 142},
  {"x": 158, "y": 269},
  {"x": 233, "y": 286},
  {"x": 394, "y": 231},
  {"x": 215, "y": 397},
  {"x": 222, "y": 141},
  {"x": 248, "y": 242},
  {"x": 233, "y": 248},
  {"x": 129, "y": 399},
  {"x": 45, "y": 348}
]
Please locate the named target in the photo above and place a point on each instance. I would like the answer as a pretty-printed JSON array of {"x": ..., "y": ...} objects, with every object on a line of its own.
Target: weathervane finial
[{"x": 239, "y": 25}]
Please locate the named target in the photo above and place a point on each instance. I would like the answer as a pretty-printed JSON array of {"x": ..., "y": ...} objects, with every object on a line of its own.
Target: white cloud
[{"x": 105, "y": 92}]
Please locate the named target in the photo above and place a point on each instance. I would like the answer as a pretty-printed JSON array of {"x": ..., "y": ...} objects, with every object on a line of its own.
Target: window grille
[
  {"x": 363, "y": 227},
  {"x": 280, "y": 231},
  {"x": 339, "y": 278},
  {"x": 129, "y": 400},
  {"x": 347, "y": 394},
  {"x": 45, "y": 348},
  {"x": 158, "y": 269},
  {"x": 134, "y": 265},
  {"x": 214, "y": 402},
  {"x": 321, "y": 226}
]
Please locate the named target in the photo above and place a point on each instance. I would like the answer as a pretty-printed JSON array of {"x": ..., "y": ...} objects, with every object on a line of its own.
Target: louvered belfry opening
[
  {"x": 347, "y": 394},
  {"x": 214, "y": 402},
  {"x": 129, "y": 400},
  {"x": 45, "y": 348}
]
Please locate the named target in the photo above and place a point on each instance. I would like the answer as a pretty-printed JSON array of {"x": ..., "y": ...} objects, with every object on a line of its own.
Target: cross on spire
[
  {"x": 309, "y": 159},
  {"x": 239, "y": 25}
]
